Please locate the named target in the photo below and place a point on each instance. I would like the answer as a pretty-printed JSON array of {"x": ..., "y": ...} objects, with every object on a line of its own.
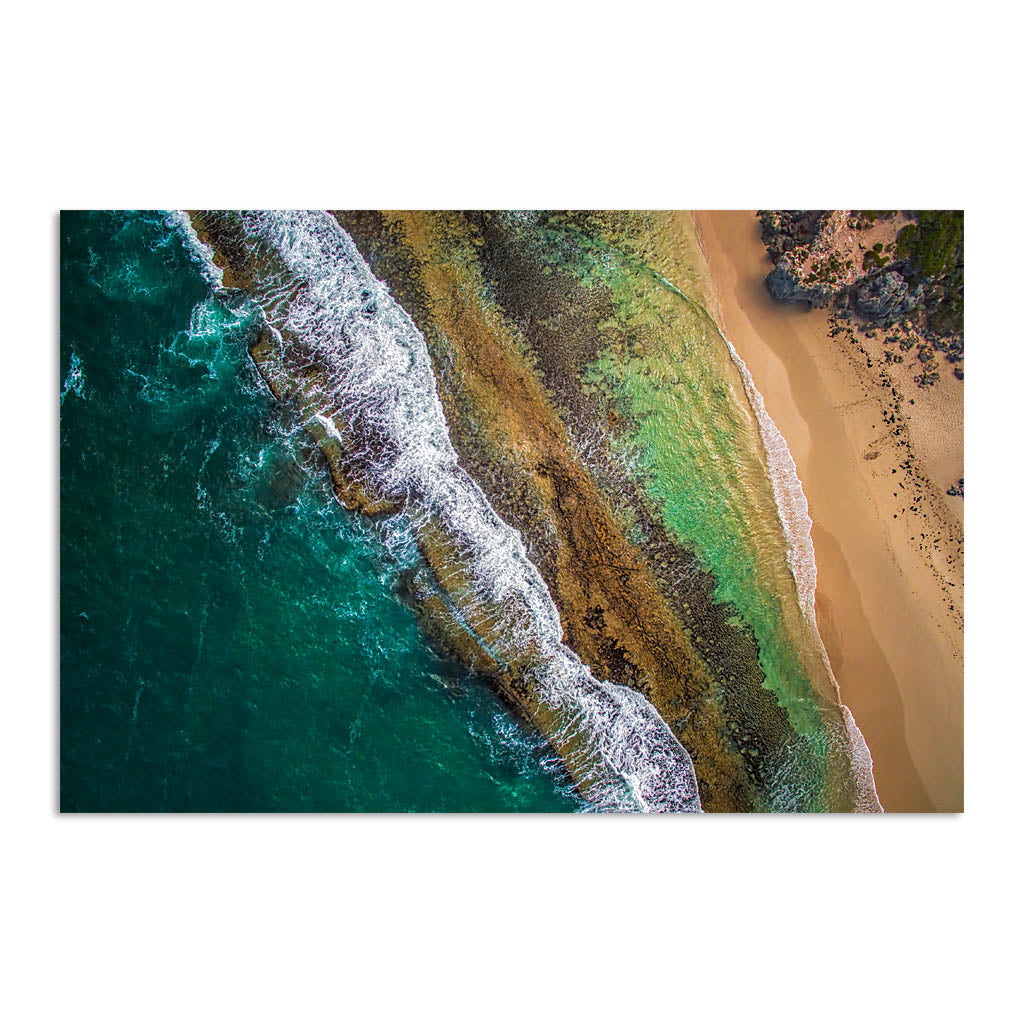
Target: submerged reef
[{"x": 545, "y": 401}]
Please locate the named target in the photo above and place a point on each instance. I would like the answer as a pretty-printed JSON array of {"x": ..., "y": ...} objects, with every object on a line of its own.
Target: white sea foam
[
  {"x": 863, "y": 766},
  {"x": 75, "y": 380},
  {"x": 788, "y": 491},
  {"x": 199, "y": 251},
  {"x": 795, "y": 516},
  {"x": 380, "y": 384}
]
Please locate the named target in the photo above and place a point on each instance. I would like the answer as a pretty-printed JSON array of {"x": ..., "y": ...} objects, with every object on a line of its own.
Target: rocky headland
[{"x": 900, "y": 271}]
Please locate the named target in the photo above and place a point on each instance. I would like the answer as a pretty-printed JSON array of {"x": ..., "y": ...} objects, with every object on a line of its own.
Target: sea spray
[{"x": 377, "y": 400}]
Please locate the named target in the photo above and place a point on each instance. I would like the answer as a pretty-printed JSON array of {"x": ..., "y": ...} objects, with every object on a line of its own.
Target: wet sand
[{"x": 889, "y": 597}]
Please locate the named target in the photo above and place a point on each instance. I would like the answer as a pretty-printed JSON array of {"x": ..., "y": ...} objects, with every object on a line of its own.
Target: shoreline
[
  {"x": 740, "y": 684},
  {"x": 513, "y": 323},
  {"x": 892, "y": 632},
  {"x": 794, "y": 514}
]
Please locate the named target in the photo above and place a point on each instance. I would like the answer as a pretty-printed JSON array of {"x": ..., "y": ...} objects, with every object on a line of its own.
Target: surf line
[
  {"x": 377, "y": 391},
  {"x": 794, "y": 517}
]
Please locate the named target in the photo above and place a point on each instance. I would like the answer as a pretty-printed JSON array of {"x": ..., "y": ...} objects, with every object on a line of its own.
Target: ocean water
[
  {"x": 694, "y": 435},
  {"x": 695, "y": 444},
  {"x": 374, "y": 402},
  {"x": 230, "y": 636}
]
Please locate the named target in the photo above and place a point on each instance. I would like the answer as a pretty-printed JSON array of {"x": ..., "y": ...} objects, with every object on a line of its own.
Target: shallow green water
[
  {"x": 693, "y": 443},
  {"x": 230, "y": 637},
  {"x": 697, "y": 460}
]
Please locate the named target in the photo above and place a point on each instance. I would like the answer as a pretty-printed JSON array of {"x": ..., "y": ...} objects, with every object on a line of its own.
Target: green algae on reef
[
  {"x": 229, "y": 635},
  {"x": 685, "y": 431},
  {"x": 647, "y": 407},
  {"x": 357, "y": 371}
]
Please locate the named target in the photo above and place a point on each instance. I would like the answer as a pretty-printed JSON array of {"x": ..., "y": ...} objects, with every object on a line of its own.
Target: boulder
[
  {"x": 886, "y": 297},
  {"x": 786, "y": 285},
  {"x": 784, "y": 230}
]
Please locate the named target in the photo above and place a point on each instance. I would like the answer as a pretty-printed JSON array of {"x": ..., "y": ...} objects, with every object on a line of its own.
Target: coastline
[
  {"x": 542, "y": 363},
  {"x": 369, "y": 398},
  {"x": 892, "y": 629},
  {"x": 549, "y": 344}
]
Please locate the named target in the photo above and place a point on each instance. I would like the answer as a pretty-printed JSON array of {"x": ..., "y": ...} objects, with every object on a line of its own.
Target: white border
[{"x": 480, "y": 918}]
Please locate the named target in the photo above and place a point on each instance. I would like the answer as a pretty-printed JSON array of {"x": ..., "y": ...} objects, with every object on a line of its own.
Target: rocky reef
[{"x": 530, "y": 322}]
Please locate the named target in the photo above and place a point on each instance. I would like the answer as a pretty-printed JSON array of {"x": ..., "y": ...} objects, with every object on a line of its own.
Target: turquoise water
[{"x": 230, "y": 635}]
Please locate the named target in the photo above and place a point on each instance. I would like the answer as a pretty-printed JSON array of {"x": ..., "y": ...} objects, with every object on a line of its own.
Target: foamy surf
[
  {"x": 199, "y": 251},
  {"x": 75, "y": 379},
  {"x": 795, "y": 519},
  {"x": 379, "y": 385},
  {"x": 787, "y": 490},
  {"x": 795, "y": 516}
]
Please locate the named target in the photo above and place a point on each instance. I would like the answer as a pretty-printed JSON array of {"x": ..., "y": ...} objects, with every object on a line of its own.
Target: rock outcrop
[
  {"x": 886, "y": 297},
  {"x": 787, "y": 284},
  {"x": 881, "y": 264},
  {"x": 811, "y": 262}
]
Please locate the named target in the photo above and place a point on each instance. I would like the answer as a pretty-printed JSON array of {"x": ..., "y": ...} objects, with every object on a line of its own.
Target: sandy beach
[{"x": 888, "y": 539}]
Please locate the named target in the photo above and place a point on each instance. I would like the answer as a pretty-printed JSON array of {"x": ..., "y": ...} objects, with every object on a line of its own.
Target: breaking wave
[
  {"x": 790, "y": 499},
  {"x": 795, "y": 516},
  {"x": 199, "y": 251},
  {"x": 376, "y": 399}
]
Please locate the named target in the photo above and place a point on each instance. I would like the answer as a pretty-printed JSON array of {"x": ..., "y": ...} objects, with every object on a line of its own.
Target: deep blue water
[{"x": 230, "y": 635}]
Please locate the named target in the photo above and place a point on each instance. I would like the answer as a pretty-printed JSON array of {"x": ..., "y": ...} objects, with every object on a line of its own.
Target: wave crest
[{"x": 374, "y": 395}]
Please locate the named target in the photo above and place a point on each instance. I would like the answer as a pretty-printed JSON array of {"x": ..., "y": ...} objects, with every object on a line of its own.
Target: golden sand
[{"x": 890, "y": 557}]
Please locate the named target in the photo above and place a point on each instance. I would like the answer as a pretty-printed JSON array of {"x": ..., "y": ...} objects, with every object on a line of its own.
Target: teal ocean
[{"x": 231, "y": 638}]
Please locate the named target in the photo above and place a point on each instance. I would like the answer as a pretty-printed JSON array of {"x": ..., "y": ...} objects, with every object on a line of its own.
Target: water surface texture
[
  {"x": 230, "y": 635},
  {"x": 352, "y": 362}
]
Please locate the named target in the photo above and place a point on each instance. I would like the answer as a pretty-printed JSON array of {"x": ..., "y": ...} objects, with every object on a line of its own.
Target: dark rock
[
  {"x": 783, "y": 230},
  {"x": 886, "y": 297},
  {"x": 785, "y": 285}
]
